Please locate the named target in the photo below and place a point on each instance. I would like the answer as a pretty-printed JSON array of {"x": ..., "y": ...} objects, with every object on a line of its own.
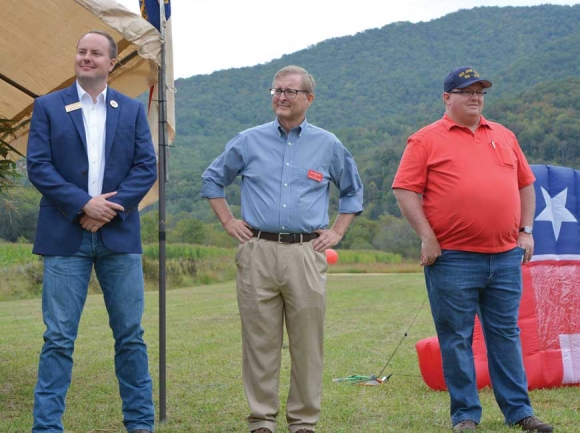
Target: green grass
[
  {"x": 186, "y": 266},
  {"x": 12, "y": 253},
  {"x": 367, "y": 318}
]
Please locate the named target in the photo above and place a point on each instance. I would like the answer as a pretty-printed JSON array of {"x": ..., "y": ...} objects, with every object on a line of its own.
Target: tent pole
[{"x": 162, "y": 175}]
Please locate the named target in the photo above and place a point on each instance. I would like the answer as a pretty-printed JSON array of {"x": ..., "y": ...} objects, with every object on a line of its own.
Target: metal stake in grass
[{"x": 358, "y": 379}]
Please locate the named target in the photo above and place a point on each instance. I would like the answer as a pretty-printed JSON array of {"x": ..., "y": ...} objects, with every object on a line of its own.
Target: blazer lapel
[
  {"x": 113, "y": 110},
  {"x": 71, "y": 97}
]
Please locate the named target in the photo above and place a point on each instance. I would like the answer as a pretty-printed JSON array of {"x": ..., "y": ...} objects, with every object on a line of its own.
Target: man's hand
[
  {"x": 430, "y": 250},
  {"x": 100, "y": 209},
  {"x": 526, "y": 242},
  {"x": 90, "y": 224},
  {"x": 238, "y": 229},
  {"x": 326, "y": 239}
]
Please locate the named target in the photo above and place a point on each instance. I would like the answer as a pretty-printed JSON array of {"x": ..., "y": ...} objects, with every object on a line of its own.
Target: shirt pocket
[
  {"x": 310, "y": 179},
  {"x": 504, "y": 155}
]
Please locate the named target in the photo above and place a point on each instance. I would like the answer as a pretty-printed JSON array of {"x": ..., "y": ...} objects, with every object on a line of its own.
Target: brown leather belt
[{"x": 285, "y": 238}]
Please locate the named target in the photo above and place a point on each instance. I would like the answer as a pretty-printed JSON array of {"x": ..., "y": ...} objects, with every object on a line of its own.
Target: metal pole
[{"x": 162, "y": 106}]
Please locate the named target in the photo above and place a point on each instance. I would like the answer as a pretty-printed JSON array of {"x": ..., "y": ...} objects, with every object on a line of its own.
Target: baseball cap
[{"x": 463, "y": 76}]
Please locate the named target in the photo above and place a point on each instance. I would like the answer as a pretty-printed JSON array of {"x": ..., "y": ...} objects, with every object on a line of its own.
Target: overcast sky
[{"x": 211, "y": 35}]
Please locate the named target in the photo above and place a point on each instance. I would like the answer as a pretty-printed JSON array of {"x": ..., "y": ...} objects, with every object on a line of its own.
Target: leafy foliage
[
  {"x": 8, "y": 167},
  {"x": 19, "y": 223}
]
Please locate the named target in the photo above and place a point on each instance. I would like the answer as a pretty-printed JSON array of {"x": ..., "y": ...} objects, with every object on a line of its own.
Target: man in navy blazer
[{"x": 91, "y": 156}]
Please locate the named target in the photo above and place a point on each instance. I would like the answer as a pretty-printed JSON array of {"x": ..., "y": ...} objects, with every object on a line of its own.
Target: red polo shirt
[{"x": 469, "y": 183}]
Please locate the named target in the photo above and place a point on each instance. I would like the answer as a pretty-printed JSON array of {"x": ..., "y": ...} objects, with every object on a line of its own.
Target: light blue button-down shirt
[{"x": 286, "y": 177}]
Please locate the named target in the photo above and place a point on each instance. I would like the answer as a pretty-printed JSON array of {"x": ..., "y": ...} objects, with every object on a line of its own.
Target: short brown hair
[{"x": 112, "y": 43}]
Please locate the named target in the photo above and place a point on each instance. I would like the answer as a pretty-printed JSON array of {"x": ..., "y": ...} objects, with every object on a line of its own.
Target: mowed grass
[{"x": 370, "y": 319}]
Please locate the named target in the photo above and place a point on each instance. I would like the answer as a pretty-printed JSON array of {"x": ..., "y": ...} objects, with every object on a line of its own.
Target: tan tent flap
[{"x": 38, "y": 41}]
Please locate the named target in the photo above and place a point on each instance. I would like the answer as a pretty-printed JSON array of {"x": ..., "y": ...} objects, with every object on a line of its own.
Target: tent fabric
[
  {"x": 549, "y": 316},
  {"x": 151, "y": 12},
  {"x": 37, "y": 49}
]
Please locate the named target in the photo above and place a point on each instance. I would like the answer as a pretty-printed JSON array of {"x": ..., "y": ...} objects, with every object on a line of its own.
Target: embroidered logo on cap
[{"x": 468, "y": 73}]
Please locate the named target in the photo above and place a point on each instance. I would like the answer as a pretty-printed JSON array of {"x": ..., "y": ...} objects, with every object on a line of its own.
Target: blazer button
[{"x": 84, "y": 172}]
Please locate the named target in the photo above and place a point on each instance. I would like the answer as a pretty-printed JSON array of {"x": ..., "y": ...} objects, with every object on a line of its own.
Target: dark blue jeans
[
  {"x": 460, "y": 285},
  {"x": 64, "y": 294}
]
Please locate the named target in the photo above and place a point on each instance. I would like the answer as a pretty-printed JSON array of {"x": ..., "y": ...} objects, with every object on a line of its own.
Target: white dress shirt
[{"x": 94, "y": 119}]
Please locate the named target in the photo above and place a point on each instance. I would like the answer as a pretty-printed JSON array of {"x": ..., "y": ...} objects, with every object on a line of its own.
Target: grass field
[
  {"x": 186, "y": 265},
  {"x": 369, "y": 319}
]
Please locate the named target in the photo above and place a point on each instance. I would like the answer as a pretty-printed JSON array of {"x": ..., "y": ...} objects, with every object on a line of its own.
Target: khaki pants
[{"x": 276, "y": 283}]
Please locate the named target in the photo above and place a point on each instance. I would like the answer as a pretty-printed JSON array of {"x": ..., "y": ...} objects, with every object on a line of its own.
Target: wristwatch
[{"x": 526, "y": 229}]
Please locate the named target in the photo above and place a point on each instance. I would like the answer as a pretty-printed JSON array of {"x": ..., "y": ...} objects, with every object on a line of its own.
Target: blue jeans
[
  {"x": 460, "y": 285},
  {"x": 64, "y": 294}
]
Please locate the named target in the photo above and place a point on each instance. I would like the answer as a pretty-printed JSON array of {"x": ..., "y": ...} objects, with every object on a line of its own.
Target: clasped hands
[{"x": 99, "y": 211}]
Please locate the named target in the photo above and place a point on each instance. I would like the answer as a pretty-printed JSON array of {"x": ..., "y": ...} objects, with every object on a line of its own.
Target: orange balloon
[{"x": 331, "y": 256}]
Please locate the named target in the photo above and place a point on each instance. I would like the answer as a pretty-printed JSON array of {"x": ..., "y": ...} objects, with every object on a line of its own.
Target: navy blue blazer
[{"x": 58, "y": 167}]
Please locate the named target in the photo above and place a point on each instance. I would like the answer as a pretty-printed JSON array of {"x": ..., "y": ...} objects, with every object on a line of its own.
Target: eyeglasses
[
  {"x": 290, "y": 93},
  {"x": 469, "y": 93}
]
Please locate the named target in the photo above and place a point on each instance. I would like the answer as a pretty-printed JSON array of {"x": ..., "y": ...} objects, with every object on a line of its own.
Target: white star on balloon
[{"x": 556, "y": 211}]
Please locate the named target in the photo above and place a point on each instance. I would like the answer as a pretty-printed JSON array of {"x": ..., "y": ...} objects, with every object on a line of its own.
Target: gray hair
[{"x": 307, "y": 79}]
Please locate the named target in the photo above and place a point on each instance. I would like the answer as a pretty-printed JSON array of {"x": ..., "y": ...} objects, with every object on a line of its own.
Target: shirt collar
[
  {"x": 101, "y": 97},
  {"x": 450, "y": 123},
  {"x": 298, "y": 129}
]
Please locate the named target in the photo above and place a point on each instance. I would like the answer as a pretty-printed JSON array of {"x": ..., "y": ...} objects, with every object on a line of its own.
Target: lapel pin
[{"x": 114, "y": 104}]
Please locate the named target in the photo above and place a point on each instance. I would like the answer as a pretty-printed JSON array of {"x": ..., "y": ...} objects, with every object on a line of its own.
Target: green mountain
[{"x": 375, "y": 88}]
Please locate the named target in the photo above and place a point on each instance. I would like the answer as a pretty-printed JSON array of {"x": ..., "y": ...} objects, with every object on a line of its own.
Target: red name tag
[{"x": 314, "y": 175}]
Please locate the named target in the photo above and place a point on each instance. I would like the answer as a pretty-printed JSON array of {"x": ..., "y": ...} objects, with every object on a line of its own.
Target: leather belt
[{"x": 285, "y": 238}]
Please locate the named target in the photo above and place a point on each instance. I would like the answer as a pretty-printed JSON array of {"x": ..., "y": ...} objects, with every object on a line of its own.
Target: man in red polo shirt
[{"x": 466, "y": 188}]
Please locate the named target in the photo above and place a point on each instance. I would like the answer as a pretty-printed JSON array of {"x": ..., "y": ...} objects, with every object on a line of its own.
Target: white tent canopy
[{"x": 38, "y": 41}]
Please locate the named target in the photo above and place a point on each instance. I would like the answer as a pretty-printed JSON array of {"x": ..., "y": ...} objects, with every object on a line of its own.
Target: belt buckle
[{"x": 280, "y": 237}]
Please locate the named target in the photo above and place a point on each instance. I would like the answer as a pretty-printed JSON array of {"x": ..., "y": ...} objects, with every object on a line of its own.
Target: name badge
[
  {"x": 314, "y": 175},
  {"x": 73, "y": 107}
]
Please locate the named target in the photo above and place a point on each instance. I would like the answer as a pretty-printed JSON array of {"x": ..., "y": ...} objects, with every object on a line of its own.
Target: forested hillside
[{"x": 378, "y": 86}]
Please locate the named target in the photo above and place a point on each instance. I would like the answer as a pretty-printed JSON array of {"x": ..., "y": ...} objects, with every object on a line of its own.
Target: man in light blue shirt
[{"x": 286, "y": 168}]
